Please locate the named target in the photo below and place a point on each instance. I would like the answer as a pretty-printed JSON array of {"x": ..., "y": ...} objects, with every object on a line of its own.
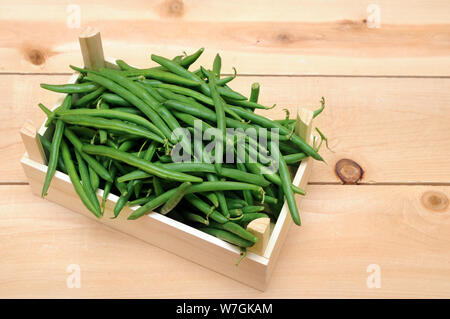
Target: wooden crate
[{"x": 164, "y": 232}]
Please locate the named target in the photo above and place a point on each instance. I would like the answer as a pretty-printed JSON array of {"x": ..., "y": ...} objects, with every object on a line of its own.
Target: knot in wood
[
  {"x": 436, "y": 201},
  {"x": 348, "y": 171}
]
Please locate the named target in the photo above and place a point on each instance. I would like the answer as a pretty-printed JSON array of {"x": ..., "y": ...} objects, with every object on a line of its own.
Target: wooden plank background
[{"x": 388, "y": 109}]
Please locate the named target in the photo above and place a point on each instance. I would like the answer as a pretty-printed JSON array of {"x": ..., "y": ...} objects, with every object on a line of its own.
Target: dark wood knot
[
  {"x": 175, "y": 8},
  {"x": 35, "y": 56},
  {"x": 348, "y": 171},
  {"x": 436, "y": 201}
]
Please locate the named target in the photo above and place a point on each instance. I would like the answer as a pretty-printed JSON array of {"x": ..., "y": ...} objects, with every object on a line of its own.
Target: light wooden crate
[{"x": 164, "y": 232}]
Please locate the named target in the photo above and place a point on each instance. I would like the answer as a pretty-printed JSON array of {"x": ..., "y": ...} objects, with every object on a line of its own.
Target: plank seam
[
  {"x": 276, "y": 75},
  {"x": 318, "y": 183}
]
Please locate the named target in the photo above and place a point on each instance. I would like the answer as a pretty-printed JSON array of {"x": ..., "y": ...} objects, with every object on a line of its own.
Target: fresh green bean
[
  {"x": 86, "y": 183},
  {"x": 115, "y": 99},
  {"x": 134, "y": 100},
  {"x": 111, "y": 124},
  {"x": 294, "y": 158},
  {"x": 227, "y": 236},
  {"x": 176, "y": 198},
  {"x": 188, "y": 60},
  {"x": 205, "y": 208},
  {"x": 267, "y": 123},
  {"x": 157, "y": 170},
  {"x": 72, "y": 172},
  {"x": 195, "y": 218},
  {"x": 47, "y": 146},
  {"x": 152, "y": 204},
  {"x": 123, "y": 199},
  {"x": 55, "y": 147},
  {"x": 71, "y": 88},
  {"x": 161, "y": 76},
  {"x": 117, "y": 115},
  {"x": 235, "y": 229},
  {"x": 254, "y": 95},
  {"x": 86, "y": 99},
  {"x": 252, "y": 209}
]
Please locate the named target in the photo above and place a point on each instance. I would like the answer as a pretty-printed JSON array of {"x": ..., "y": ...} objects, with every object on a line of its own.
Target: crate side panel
[{"x": 251, "y": 271}]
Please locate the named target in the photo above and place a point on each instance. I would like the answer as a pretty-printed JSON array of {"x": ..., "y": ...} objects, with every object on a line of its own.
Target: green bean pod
[
  {"x": 72, "y": 172},
  {"x": 55, "y": 147},
  {"x": 227, "y": 236},
  {"x": 87, "y": 186},
  {"x": 176, "y": 198},
  {"x": 71, "y": 88},
  {"x": 139, "y": 163}
]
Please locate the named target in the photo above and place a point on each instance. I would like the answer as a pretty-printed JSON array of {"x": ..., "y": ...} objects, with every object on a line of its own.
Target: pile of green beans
[{"x": 115, "y": 132}]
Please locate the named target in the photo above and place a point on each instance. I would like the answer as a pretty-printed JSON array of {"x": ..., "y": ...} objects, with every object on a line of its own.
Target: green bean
[
  {"x": 111, "y": 124},
  {"x": 123, "y": 199},
  {"x": 47, "y": 146},
  {"x": 176, "y": 198},
  {"x": 162, "y": 76},
  {"x": 224, "y": 81},
  {"x": 187, "y": 61},
  {"x": 134, "y": 100},
  {"x": 89, "y": 97},
  {"x": 95, "y": 180},
  {"x": 235, "y": 229},
  {"x": 236, "y": 203},
  {"x": 117, "y": 115},
  {"x": 125, "y": 66},
  {"x": 139, "y": 163},
  {"x": 226, "y": 172},
  {"x": 252, "y": 209},
  {"x": 212, "y": 197},
  {"x": 195, "y": 218},
  {"x": 193, "y": 109},
  {"x": 247, "y": 194},
  {"x": 322, "y": 107},
  {"x": 115, "y": 99},
  {"x": 86, "y": 183},
  {"x": 173, "y": 124},
  {"x": 225, "y": 91},
  {"x": 227, "y": 236},
  {"x": 217, "y": 65},
  {"x": 55, "y": 147},
  {"x": 99, "y": 169},
  {"x": 220, "y": 116},
  {"x": 286, "y": 185},
  {"x": 223, "y": 186},
  {"x": 267, "y": 123},
  {"x": 140, "y": 201},
  {"x": 108, "y": 186},
  {"x": 247, "y": 218},
  {"x": 246, "y": 104},
  {"x": 236, "y": 212},
  {"x": 254, "y": 93},
  {"x": 71, "y": 88},
  {"x": 157, "y": 187},
  {"x": 152, "y": 204},
  {"x": 179, "y": 70},
  {"x": 205, "y": 208},
  {"x": 182, "y": 90},
  {"x": 294, "y": 158},
  {"x": 152, "y": 91},
  {"x": 72, "y": 172}
]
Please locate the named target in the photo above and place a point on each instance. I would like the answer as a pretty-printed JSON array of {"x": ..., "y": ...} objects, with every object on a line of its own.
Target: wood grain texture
[
  {"x": 327, "y": 257},
  {"x": 396, "y": 129},
  {"x": 294, "y": 38}
]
